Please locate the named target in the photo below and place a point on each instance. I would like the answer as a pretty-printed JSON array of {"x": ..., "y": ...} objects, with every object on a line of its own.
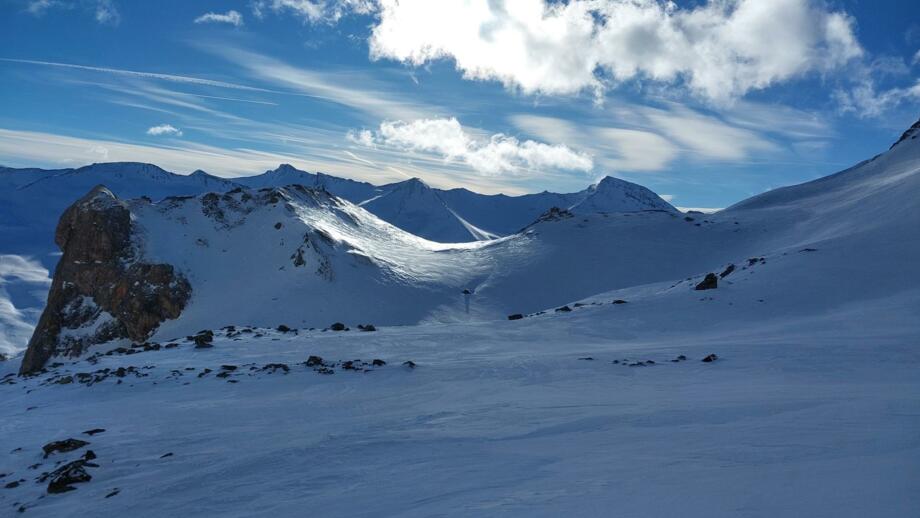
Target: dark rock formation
[
  {"x": 101, "y": 289},
  {"x": 63, "y": 446},
  {"x": 516, "y": 316},
  {"x": 710, "y": 358},
  {"x": 711, "y": 282}
]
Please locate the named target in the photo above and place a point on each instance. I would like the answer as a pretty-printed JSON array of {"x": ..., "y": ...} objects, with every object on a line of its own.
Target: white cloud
[
  {"x": 720, "y": 50},
  {"x": 104, "y": 11},
  {"x": 164, "y": 129},
  {"x": 866, "y": 101},
  {"x": 916, "y": 59},
  {"x": 107, "y": 13},
  {"x": 497, "y": 155},
  {"x": 313, "y": 11},
  {"x": 232, "y": 17}
]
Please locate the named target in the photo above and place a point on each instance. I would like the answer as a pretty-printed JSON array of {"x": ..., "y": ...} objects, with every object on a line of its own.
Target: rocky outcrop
[{"x": 101, "y": 290}]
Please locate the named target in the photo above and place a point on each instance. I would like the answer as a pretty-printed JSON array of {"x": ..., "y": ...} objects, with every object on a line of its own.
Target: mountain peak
[
  {"x": 611, "y": 194},
  {"x": 912, "y": 133}
]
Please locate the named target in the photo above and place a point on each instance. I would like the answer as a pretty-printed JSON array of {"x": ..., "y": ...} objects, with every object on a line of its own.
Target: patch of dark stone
[
  {"x": 204, "y": 373},
  {"x": 710, "y": 282},
  {"x": 410, "y": 364},
  {"x": 338, "y": 326},
  {"x": 165, "y": 455},
  {"x": 516, "y": 316},
  {"x": 284, "y": 329},
  {"x": 91, "y": 378},
  {"x": 61, "y": 480},
  {"x": 619, "y": 301},
  {"x": 203, "y": 339},
  {"x": 94, "y": 431},
  {"x": 754, "y": 260},
  {"x": 586, "y": 358},
  {"x": 14, "y": 484},
  {"x": 727, "y": 271},
  {"x": 275, "y": 367},
  {"x": 679, "y": 358},
  {"x": 563, "y": 309},
  {"x": 366, "y": 327},
  {"x": 63, "y": 446},
  {"x": 808, "y": 250},
  {"x": 710, "y": 358},
  {"x": 113, "y": 493}
]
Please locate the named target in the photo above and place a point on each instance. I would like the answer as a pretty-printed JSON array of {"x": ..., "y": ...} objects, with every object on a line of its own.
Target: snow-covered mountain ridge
[{"x": 311, "y": 258}]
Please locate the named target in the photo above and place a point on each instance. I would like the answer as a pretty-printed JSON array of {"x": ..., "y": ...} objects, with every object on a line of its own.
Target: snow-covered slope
[
  {"x": 614, "y": 195},
  {"x": 418, "y": 209},
  {"x": 286, "y": 174}
]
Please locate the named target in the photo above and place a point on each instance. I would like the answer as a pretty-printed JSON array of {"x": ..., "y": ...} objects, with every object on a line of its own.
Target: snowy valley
[{"x": 294, "y": 344}]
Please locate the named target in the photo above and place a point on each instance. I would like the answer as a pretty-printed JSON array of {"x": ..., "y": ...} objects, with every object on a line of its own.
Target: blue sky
[{"x": 704, "y": 102}]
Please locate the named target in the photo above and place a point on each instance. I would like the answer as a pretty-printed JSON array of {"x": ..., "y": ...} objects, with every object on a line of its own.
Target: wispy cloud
[
  {"x": 148, "y": 75},
  {"x": 230, "y": 17},
  {"x": 378, "y": 99},
  {"x": 104, "y": 11},
  {"x": 164, "y": 129}
]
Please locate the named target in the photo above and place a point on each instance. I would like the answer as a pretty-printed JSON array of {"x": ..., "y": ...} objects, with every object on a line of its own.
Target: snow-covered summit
[
  {"x": 415, "y": 207},
  {"x": 614, "y": 195}
]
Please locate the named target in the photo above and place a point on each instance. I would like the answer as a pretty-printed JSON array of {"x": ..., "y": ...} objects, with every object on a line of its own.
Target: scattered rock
[
  {"x": 338, "y": 326},
  {"x": 808, "y": 250},
  {"x": 313, "y": 361},
  {"x": 378, "y": 362},
  {"x": 284, "y": 329},
  {"x": 410, "y": 364},
  {"x": 367, "y": 327},
  {"x": 728, "y": 270},
  {"x": 63, "y": 446},
  {"x": 516, "y": 316},
  {"x": 564, "y": 309},
  {"x": 70, "y": 473},
  {"x": 619, "y": 301},
  {"x": 169, "y": 454},
  {"x": 12, "y": 484},
  {"x": 587, "y": 358},
  {"x": 94, "y": 431},
  {"x": 710, "y": 358},
  {"x": 276, "y": 366},
  {"x": 228, "y": 367},
  {"x": 113, "y": 493},
  {"x": 203, "y": 339},
  {"x": 710, "y": 282}
]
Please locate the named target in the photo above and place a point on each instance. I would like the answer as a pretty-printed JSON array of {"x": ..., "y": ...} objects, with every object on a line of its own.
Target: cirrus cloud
[{"x": 497, "y": 155}]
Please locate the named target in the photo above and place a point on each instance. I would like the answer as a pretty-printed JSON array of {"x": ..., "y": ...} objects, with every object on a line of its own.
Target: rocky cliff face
[{"x": 101, "y": 290}]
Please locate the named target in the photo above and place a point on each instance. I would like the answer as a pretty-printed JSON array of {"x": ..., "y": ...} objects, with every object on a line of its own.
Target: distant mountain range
[{"x": 34, "y": 198}]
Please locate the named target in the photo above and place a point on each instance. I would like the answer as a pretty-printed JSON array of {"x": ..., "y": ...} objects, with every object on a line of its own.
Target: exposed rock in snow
[{"x": 101, "y": 289}]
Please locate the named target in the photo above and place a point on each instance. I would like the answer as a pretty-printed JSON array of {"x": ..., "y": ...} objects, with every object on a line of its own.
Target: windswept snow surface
[{"x": 802, "y": 415}]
